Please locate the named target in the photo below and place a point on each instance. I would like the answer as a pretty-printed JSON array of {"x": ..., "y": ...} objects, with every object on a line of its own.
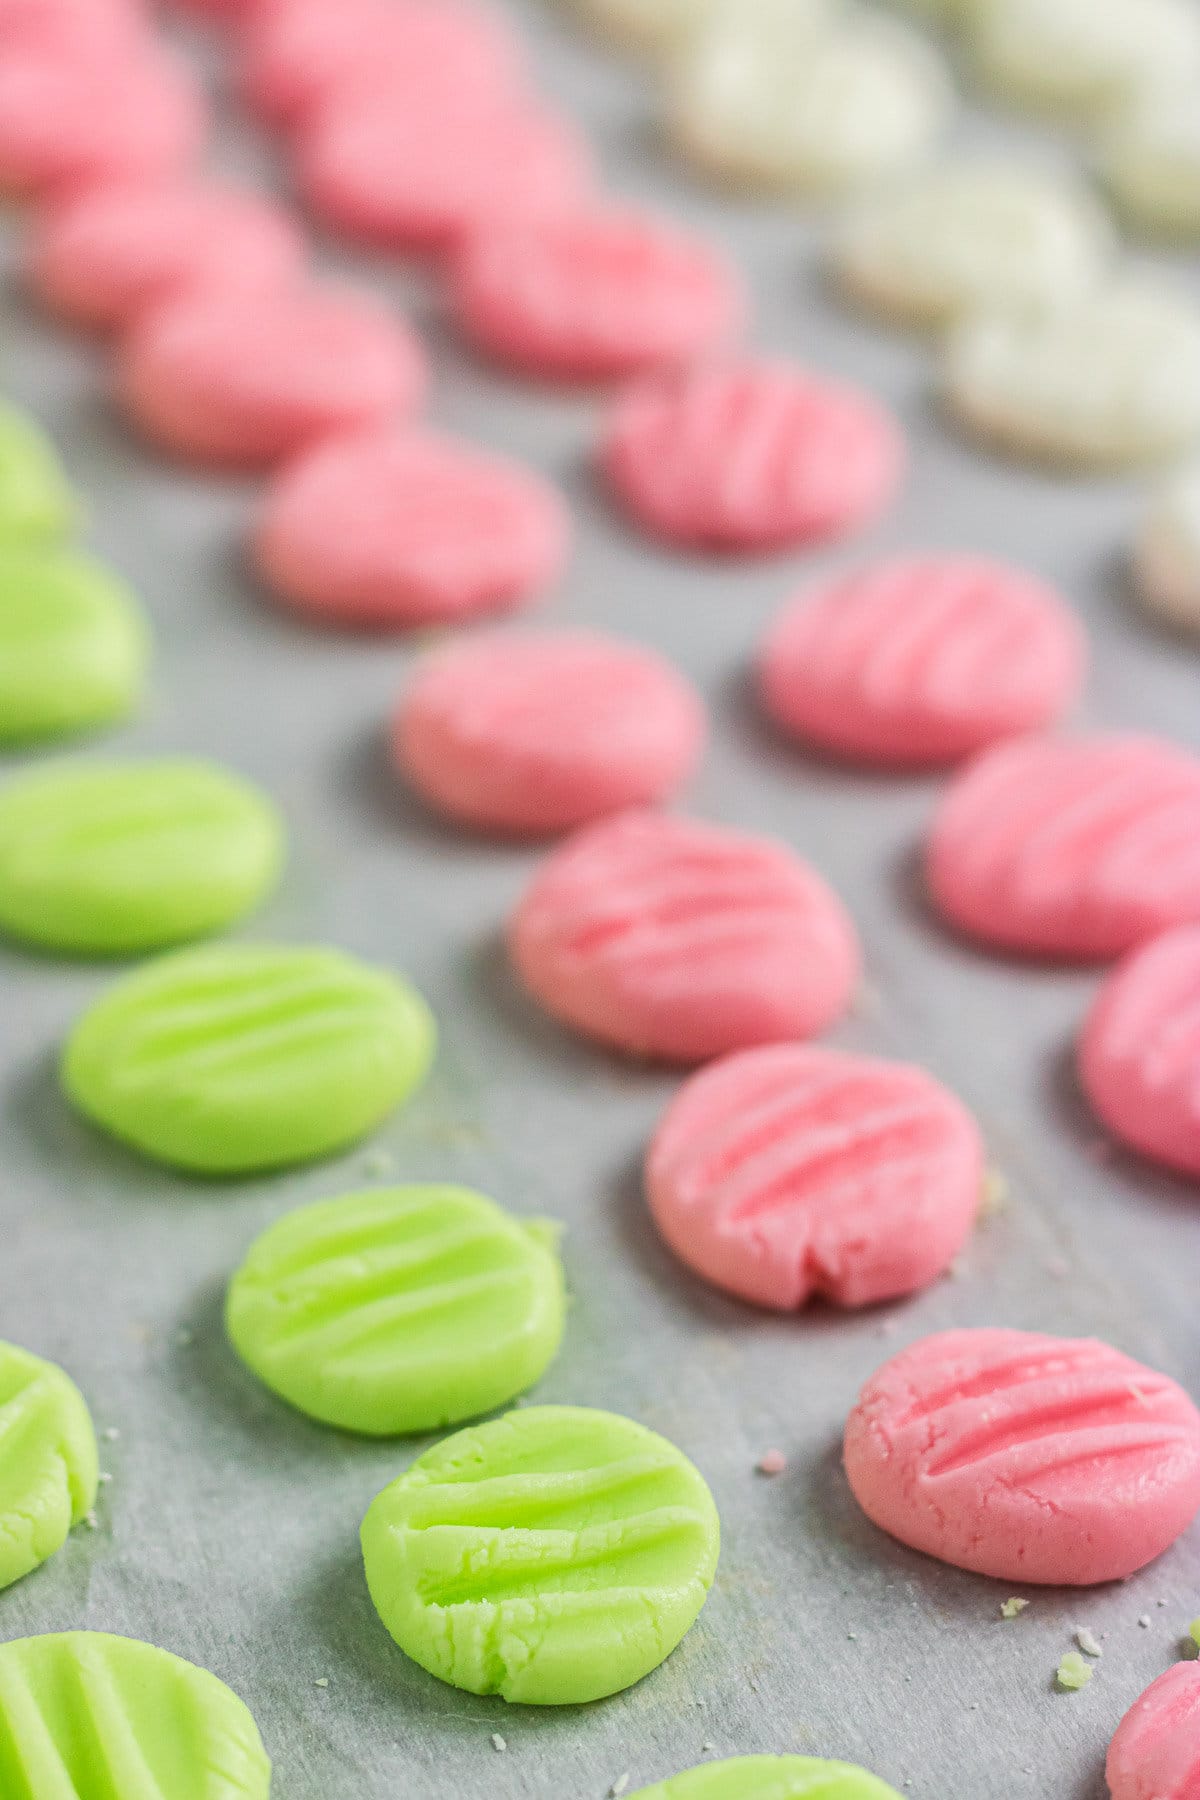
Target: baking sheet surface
[{"x": 228, "y": 1530}]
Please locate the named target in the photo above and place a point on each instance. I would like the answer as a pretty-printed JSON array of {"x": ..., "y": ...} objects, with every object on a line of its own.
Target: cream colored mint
[{"x": 48, "y": 1466}]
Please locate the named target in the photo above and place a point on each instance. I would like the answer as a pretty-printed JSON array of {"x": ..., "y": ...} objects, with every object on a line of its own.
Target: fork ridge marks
[
  {"x": 1071, "y": 847},
  {"x": 86, "y": 1716},
  {"x": 770, "y": 1778},
  {"x": 48, "y": 1463},
  {"x": 248, "y": 1056},
  {"x": 791, "y": 1170},
  {"x": 111, "y": 857},
  {"x": 751, "y": 455},
  {"x": 670, "y": 938},
  {"x": 399, "y": 1309},
  {"x": 1025, "y": 1456},
  {"x": 1139, "y": 1055},
  {"x": 553, "y": 1556},
  {"x": 920, "y": 660}
]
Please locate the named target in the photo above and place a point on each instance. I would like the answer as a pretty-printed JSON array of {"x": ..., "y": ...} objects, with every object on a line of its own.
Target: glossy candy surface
[
  {"x": 48, "y": 1472},
  {"x": 770, "y": 1778},
  {"x": 37, "y": 504},
  {"x": 73, "y": 645},
  {"x": 1153, "y": 1755}
]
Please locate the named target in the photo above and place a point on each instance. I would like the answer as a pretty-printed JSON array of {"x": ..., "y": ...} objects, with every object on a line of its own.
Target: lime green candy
[
  {"x": 47, "y": 1463},
  {"x": 108, "y": 858},
  {"x": 238, "y": 1057},
  {"x": 771, "y": 1778},
  {"x": 552, "y": 1556},
  {"x": 399, "y": 1310},
  {"x": 86, "y": 1716},
  {"x": 73, "y": 645},
  {"x": 37, "y": 504}
]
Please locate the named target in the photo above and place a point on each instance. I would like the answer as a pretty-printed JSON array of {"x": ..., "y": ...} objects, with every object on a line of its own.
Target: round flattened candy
[
  {"x": 61, "y": 28},
  {"x": 111, "y": 253},
  {"x": 531, "y": 734},
  {"x": 245, "y": 379},
  {"x": 297, "y": 55},
  {"x": 1166, "y": 556},
  {"x": 37, "y": 503},
  {"x": 1026, "y": 1457},
  {"x": 155, "y": 1724},
  {"x": 553, "y": 1556},
  {"x": 790, "y": 1170},
  {"x": 1150, "y": 164},
  {"x": 594, "y": 295},
  {"x": 780, "y": 99},
  {"x": 399, "y": 1310},
  {"x": 1070, "y": 847},
  {"x": 971, "y": 234},
  {"x": 107, "y": 858},
  {"x": 422, "y": 177},
  {"x": 671, "y": 938},
  {"x": 1153, "y": 1754},
  {"x": 921, "y": 660},
  {"x": 66, "y": 121},
  {"x": 751, "y": 455},
  {"x": 1089, "y": 58},
  {"x": 241, "y": 1057},
  {"x": 1139, "y": 1057},
  {"x": 770, "y": 1778},
  {"x": 1109, "y": 380},
  {"x": 74, "y": 645},
  {"x": 48, "y": 1477},
  {"x": 394, "y": 529}
]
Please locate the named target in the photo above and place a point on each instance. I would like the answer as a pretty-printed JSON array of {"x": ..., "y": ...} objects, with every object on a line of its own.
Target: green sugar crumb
[
  {"x": 1194, "y": 1632},
  {"x": 1073, "y": 1672},
  {"x": 1011, "y": 1609}
]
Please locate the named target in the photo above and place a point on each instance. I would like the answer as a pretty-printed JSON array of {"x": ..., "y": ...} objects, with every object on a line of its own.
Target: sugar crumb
[
  {"x": 995, "y": 1193},
  {"x": 1088, "y": 1642},
  {"x": 1144, "y": 1621},
  {"x": 771, "y": 1462},
  {"x": 1011, "y": 1609},
  {"x": 1073, "y": 1673},
  {"x": 111, "y": 1433},
  {"x": 499, "y": 1743},
  {"x": 618, "y": 1787},
  {"x": 1194, "y": 1632},
  {"x": 91, "y": 1521},
  {"x": 321, "y": 1681}
]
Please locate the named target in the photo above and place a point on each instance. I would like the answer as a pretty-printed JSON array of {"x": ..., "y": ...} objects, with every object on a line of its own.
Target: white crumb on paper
[
  {"x": 1088, "y": 1642},
  {"x": 499, "y": 1743}
]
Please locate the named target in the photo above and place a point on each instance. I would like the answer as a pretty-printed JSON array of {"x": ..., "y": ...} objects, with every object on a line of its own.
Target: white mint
[
  {"x": 973, "y": 234},
  {"x": 1110, "y": 381},
  {"x": 1167, "y": 552},
  {"x": 780, "y": 99},
  {"x": 1151, "y": 164},
  {"x": 1085, "y": 57}
]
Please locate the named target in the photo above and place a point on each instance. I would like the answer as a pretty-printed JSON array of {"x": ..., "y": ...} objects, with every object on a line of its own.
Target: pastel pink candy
[
  {"x": 751, "y": 455},
  {"x": 244, "y": 379},
  {"x": 70, "y": 119},
  {"x": 1139, "y": 1056},
  {"x": 70, "y": 27},
  {"x": 1070, "y": 847},
  {"x": 423, "y": 174},
  {"x": 1155, "y": 1752},
  {"x": 921, "y": 660},
  {"x": 1031, "y": 1458},
  {"x": 792, "y": 1170},
  {"x": 593, "y": 295},
  {"x": 106, "y": 256},
  {"x": 298, "y": 54},
  {"x": 542, "y": 733},
  {"x": 390, "y": 529},
  {"x": 669, "y": 938}
]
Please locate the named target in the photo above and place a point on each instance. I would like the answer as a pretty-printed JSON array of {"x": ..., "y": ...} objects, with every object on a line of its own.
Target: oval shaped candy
[
  {"x": 37, "y": 504},
  {"x": 156, "y": 1725},
  {"x": 553, "y": 1556},
  {"x": 1084, "y": 58},
  {"x": 239, "y": 1057},
  {"x": 594, "y": 295},
  {"x": 391, "y": 529},
  {"x": 751, "y": 455},
  {"x": 1166, "y": 554},
  {"x": 770, "y": 1778},
  {"x": 1027, "y": 1457},
  {"x": 73, "y": 645},
  {"x": 1150, "y": 164},
  {"x": 920, "y": 660},
  {"x": 48, "y": 1466},
  {"x": 400, "y": 1309},
  {"x": 244, "y": 379},
  {"x": 1139, "y": 1057},
  {"x": 1153, "y": 1754},
  {"x": 1070, "y": 847},
  {"x": 542, "y": 733},
  {"x": 670, "y": 938},
  {"x": 791, "y": 1170},
  {"x": 105, "y": 858},
  {"x": 109, "y": 254},
  {"x": 422, "y": 177}
]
